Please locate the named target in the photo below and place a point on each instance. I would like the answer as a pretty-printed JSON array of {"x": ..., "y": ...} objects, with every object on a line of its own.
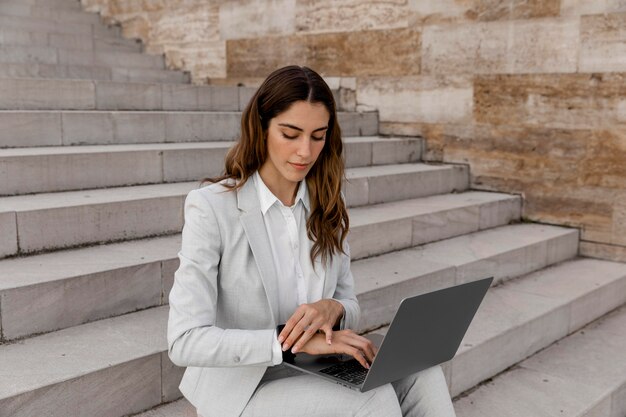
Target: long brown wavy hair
[{"x": 328, "y": 224}]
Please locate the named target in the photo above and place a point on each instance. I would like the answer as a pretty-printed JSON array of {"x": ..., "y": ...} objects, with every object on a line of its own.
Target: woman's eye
[
  {"x": 289, "y": 137},
  {"x": 316, "y": 138}
]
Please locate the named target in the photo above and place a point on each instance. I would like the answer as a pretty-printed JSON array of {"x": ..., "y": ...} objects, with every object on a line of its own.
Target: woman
[{"x": 264, "y": 245}]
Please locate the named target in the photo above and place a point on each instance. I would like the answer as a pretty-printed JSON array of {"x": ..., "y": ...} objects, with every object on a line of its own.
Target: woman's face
[{"x": 295, "y": 139}]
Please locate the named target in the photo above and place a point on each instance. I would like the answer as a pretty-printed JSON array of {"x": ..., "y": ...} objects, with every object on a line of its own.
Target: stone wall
[{"x": 530, "y": 93}]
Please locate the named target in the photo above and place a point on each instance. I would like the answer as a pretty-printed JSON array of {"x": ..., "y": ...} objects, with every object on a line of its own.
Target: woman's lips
[{"x": 299, "y": 166}]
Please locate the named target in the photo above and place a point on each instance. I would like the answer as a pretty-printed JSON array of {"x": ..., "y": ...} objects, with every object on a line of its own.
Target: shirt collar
[{"x": 267, "y": 199}]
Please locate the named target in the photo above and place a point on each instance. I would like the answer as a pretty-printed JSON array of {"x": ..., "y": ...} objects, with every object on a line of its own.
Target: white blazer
[{"x": 223, "y": 305}]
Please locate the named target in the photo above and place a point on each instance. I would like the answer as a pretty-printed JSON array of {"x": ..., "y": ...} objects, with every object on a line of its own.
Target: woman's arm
[
  {"x": 344, "y": 293},
  {"x": 192, "y": 337}
]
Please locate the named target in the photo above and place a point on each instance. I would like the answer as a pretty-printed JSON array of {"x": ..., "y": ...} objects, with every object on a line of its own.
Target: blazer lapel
[{"x": 254, "y": 227}]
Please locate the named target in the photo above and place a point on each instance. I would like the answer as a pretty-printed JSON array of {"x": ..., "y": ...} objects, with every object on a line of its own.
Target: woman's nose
[{"x": 304, "y": 148}]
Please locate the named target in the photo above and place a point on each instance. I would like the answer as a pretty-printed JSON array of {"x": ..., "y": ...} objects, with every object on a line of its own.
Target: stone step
[
  {"x": 108, "y": 359},
  {"x": 504, "y": 252},
  {"x": 47, "y": 12},
  {"x": 135, "y": 275},
  {"x": 581, "y": 375},
  {"x": 42, "y": 94},
  {"x": 82, "y": 57},
  {"x": 81, "y": 72},
  {"x": 16, "y": 37},
  {"x": 548, "y": 303},
  {"x": 24, "y": 128},
  {"x": 37, "y": 24},
  {"x": 74, "y": 218},
  {"x": 64, "y": 168},
  {"x": 46, "y": 94}
]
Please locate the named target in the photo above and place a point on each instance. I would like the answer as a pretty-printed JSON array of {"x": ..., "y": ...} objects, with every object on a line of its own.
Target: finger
[
  {"x": 363, "y": 344},
  {"x": 296, "y": 333},
  {"x": 328, "y": 331},
  {"x": 358, "y": 355},
  {"x": 308, "y": 334},
  {"x": 290, "y": 324}
]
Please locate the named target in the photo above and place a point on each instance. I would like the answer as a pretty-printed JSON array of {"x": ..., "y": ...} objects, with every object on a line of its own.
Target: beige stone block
[
  {"x": 133, "y": 6},
  {"x": 137, "y": 27},
  {"x": 428, "y": 99},
  {"x": 361, "y": 53},
  {"x": 447, "y": 11},
  {"x": 563, "y": 101},
  {"x": 205, "y": 60},
  {"x": 568, "y": 177},
  {"x": 584, "y": 7},
  {"x": 603, "y": 43},
  {"x": 252, "y": 19},
  {"x": 191, "y": 24},
  {"x": 468, "y": 48},
  {"x": 544, "y": 46},
  {"x": 603, "y": 251},
  {"x": 313, "y": 16},
  {"x": 520, "y": 46}
]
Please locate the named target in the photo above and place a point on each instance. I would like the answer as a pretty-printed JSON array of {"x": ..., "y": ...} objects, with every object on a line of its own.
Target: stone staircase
[{"x": 100, "y": 145}]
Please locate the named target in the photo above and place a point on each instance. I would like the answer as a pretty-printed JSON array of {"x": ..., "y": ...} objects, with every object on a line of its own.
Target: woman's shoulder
[{"x": 217, "y": 193}]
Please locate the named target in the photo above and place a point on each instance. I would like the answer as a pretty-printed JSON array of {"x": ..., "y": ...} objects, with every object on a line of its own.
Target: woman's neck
[{"x": 284, "y": 190}]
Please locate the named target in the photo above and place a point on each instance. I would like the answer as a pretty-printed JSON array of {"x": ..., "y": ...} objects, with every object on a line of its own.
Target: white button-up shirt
[{"x": 299, "y": 281}]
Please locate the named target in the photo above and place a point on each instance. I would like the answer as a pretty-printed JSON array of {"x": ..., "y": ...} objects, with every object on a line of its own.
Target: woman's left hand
[{"x": 307, "y": 320}]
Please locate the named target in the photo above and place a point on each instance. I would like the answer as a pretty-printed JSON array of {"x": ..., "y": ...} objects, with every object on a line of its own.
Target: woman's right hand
[{"x": 344, "y": 342}]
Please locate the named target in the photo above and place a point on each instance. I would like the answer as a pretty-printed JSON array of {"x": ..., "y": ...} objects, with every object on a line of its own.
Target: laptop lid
[{"x": 426, "y": 331}]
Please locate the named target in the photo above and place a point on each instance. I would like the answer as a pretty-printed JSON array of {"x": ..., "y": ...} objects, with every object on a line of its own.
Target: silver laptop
[{"x": 426, "y": 331}]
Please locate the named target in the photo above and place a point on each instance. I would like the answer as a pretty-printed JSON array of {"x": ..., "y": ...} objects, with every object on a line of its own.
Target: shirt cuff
[{"x": 277, "y": 351}]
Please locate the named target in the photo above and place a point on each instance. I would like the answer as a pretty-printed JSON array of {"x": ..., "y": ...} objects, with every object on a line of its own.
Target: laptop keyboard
[{"x": 351, "y": 371}]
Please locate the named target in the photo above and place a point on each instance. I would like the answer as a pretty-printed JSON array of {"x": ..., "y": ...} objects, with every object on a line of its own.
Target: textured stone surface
[
  {"x": 428, "y": 12},
  {"x": 32, "y": 94},
  {"x": 119, "y": 373},
  {"x": 603, "y": 43},
  {"x": 170, "y": 379},
  {"x": 528, "y": 392},
  {"x": 30, "y": 128},
  {"x": 519, "y": 46},
  {"x": 337, "y": 54},
  {"x": 139, "y": 289},
  {"x": 566, "y": 101},
  {"x": 427, "y": 99},
  {"x": 250, "y": 19},
  {"x": 8, "y": 231},
  {"x": 585, "y": 7},
  {"x": 314, "y": 16},
  {"x": 79, "y": 217},
  {"x": 602, "y": 251},
  {"x": 511, "y": 158},
  {"x": 113, "y": 391}
]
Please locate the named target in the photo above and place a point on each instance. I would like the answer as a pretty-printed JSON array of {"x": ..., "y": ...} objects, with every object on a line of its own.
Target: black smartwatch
[{"x": 288, "y": 356}]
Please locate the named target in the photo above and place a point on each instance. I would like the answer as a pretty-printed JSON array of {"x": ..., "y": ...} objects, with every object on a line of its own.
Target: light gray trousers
[{"x": 287, "y": 392}]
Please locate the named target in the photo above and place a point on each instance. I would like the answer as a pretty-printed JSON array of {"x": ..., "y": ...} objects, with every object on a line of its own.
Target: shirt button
[{"x": 236, "y": 359}]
